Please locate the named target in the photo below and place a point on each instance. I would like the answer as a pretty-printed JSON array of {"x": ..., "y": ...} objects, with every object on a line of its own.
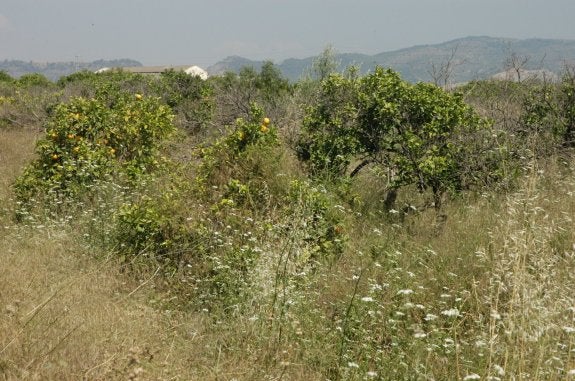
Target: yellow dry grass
[
  {"x": 65, "y": 315},
  {"x": 68, "y": 313}
]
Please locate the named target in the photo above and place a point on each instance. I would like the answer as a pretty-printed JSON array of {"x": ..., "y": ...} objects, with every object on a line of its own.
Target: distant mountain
[
  {"x": 471, "y": 57},
  {"x": 55, "y": 70}
]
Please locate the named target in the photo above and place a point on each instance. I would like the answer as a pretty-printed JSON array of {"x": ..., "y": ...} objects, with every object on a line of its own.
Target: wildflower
[
  {"x": 352, "y": 365},
  {"x": 472, "y": 376},
  {"x": 405, "y": 292},
  {"x": 367, "y": 299},
  {"x": 453, "y": 312},
  {"x": 499, "y": 369},
  {"x": 371, "y": 374},
  {"x": 568, "y": 329}
]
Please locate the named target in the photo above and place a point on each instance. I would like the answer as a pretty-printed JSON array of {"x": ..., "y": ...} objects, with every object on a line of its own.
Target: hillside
[{"x": 474, "y": 58}]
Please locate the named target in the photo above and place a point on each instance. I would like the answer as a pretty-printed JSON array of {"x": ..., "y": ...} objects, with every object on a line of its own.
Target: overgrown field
[{"x": 248, "y": 228}]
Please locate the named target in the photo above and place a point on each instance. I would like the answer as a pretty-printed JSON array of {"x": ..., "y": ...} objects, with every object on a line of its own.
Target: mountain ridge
[{"x": 471, "y": 57}]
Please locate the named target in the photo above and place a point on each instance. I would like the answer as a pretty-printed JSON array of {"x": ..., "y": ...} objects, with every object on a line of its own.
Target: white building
[{"x": 157, "y": 70}]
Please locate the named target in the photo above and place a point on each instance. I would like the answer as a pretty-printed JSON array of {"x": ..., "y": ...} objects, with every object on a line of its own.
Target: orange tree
[
  {"x": 99, "y": 139},
  {"x": 421, "y": 134}
]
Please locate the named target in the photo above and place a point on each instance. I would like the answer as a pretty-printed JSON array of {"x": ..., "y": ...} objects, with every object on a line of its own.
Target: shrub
[
  {"x": 5, "y": 77},
  {"x": 90, "y": 140},
  {"x": 421, "y": 134},
  {"x": 191, "y": 98},
  {"x": 229, "y": 154},
  {"x": 33, "y": 80},
  {"x": 235, "y": 93}
]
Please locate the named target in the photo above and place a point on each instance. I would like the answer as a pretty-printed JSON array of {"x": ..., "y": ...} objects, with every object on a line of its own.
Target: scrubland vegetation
[{"x": 344, "y": 227}]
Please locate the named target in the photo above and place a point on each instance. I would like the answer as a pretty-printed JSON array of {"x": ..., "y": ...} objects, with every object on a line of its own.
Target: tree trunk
[{"x": 359, "y": 167}]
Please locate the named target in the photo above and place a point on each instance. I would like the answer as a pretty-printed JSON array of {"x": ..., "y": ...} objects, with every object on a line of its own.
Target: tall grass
[
  {"x": 486, "y": 297},
  {"x": 330, "y": 284}
]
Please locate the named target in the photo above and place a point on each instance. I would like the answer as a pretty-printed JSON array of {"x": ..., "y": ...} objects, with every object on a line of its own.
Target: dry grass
[
  {"x": 68, "y": 313},
  {"x": 487, "y": 296},
  {"x": 16, "y": 149},
  {"x": 66, "y": 316}
]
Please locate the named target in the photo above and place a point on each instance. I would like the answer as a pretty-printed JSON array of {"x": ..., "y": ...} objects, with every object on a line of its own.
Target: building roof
[{"x": 155, "y": 70}]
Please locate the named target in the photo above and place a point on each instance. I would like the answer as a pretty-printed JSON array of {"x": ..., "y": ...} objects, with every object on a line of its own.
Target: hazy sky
[{"x": 204, "y": 32}]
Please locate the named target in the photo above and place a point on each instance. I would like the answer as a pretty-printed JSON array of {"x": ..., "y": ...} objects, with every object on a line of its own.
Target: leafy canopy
[{"x": 422, "y": 134}]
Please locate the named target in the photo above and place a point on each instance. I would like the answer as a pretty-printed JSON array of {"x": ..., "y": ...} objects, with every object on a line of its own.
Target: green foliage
[
  {"x": 567, "y": 101},
  {"x": 328, "y": 140},
  {"x": 33, "y": 80},
  {"x": 253, "y": 133},
  {"x": 420, "y": 133},
  {"x": 77, "y": 77},
  {"x": 417, "y": 130},
  {"x": 152, "y": 229},
  {"x": 325, "y": 64},
  {"x": 5, "y": 77},
  {"x": 539, "y": 119},
  {"x": 88, "y": 141},
  {"x": 271, "y": 84},
  {"x": 235, "y": 93},
  {"x": 109, "y": 84},
  {"x": 323, "y": 233},
  {"x": 191, "y": 98},
  {"x": 204, "y": 229},
  {"x": 548, "y": 117}
]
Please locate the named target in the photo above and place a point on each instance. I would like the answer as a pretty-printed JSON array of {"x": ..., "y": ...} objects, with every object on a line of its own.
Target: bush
[
  {"x": 235, "y": 93},
  {"x": 191, "y": 98},
  {"x": 90, "y": 140},
  {"x": 420, "y": 134},
  {"x": 5, "y": 77},
  {"x": 33, "y": 80}
]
